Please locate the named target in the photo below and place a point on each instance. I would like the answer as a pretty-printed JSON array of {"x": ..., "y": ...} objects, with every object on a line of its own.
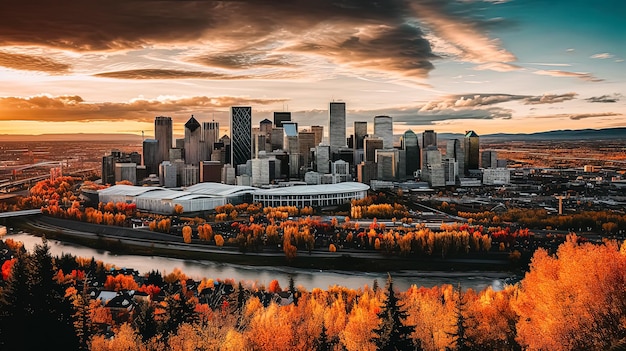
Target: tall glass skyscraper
[
  {"x": 455, "y": 150},
  {"x": 210, "y": 132},
  {"x": 241, "y": 134},
  {"x": 337, "y": 126},
  {"x": 409, "y": 143},
  {"x": 280, "y": 118},
  {"x": 163, "y": 133},
  {"x": 360, "y": 131},
  {"x": 472, "y": 151},
  {"x": 193, "y": 134},
  {"x": 429, "y": 138},
  {"x": 383, "y": 128}
]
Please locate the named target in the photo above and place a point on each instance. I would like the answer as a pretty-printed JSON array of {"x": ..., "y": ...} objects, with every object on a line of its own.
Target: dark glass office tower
[{"x": 241, "y": 134}]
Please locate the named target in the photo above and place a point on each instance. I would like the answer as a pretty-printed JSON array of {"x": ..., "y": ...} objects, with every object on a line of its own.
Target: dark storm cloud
[
  {"x": 605, "y": 98},
  {"x": 401, "y": 49},
  {"x": 32, "y": 63},
  {"x": 366, "y": 33},
  {"x": 103, "y": 25}
]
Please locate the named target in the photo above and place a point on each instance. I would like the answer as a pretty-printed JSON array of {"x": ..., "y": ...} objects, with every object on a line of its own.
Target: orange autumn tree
[
  {"x": 574, "y": 300},
  {"x": 120, "y": 282},
  {"x": 187, "y": 231}
]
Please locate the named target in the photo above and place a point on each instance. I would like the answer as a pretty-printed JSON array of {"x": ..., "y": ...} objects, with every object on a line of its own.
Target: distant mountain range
[{"x": 566, "y": 134}]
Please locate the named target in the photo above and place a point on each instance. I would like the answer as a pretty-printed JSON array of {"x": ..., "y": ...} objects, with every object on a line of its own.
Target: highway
[{"x": 16, "y": 183}]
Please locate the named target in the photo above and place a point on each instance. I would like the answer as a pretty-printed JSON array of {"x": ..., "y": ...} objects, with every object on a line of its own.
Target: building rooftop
[
  {"x": 315, "y": 189},
  {"x": 218, "y": 189},
  {"x": 129, "y": 190}
]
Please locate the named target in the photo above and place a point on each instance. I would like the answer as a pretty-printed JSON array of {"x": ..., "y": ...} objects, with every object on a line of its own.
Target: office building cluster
[{"x": 283, "y": 152}]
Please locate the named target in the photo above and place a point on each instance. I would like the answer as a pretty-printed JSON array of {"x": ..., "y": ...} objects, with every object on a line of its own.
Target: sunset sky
[{"x": 490, "y": 66}]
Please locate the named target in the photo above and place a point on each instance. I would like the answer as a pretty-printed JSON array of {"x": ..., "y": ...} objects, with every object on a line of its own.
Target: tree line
[{"x": 573, "y": 300}]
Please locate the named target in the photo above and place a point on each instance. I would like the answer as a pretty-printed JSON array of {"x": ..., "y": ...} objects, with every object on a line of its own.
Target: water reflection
[{"x": 307, "y": 278}]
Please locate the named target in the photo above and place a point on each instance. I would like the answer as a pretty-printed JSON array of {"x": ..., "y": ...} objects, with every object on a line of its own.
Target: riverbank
[{"x": 120, "y": 240}]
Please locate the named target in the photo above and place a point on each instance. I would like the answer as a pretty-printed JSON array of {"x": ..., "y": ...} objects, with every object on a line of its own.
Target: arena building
[
  {"x": 207, "y": 196},
  {"x": 321, "y": 195},
  {"x": 196, "y": 198}
]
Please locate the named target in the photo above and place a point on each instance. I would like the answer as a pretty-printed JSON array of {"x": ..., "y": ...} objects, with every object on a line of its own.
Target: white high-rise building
[{"x": 260, "y": 171}]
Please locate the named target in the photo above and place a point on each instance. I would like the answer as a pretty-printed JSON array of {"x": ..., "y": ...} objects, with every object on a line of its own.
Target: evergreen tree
[
  {"x": 461, "y": 341},
  {"x": 67, "y": 263},
  {"x": 241, "y": 297},
  {"x": 33, "y": 302},
  {"x": 96, "y": 271},
  {"x": 322, "y": 341},
  {"x": 392, "y": 334},
  {"x": 82, "y": 319},
  {"x": 143, "y": 320},
  {"x": 52, "y": 312},
  {"x": 180, "y": 308},
  {"x": 294, "y": 292},
  {"x": 15, "y": 297},
  {"x": 154, "y": 278}
]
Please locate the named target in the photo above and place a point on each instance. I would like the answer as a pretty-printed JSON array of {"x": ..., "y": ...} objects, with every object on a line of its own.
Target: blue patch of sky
[{"x": 543, "y": 31}]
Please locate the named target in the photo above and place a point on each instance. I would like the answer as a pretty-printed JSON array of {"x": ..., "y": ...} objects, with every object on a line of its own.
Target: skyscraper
[
  {"x": 409, "y": 143},
  {"x": 319, "y": 134},
  {"x": 211, "y": 134},
  {"x": 489, "y": 159},
  {"x": 280, "y": 118},
  {"x": 306, "y": 141},
  {"x": 241, "y": 134},
  {"x": 292, "y": 147},
  {"x": 360, "y": 131},
  {"x": 472, "y": 151},
  {"x": 337, "y": 126},
  {"x": 454, "y": 151},
  {"x": 150, "y": 156},
  {"x": 383, "y": 128},
  {"x": 163, "y": 133},
  {"x": 371, "y": 144},
  {"x": 193, "y": 134},
  {"x": 429, "y": 138}
]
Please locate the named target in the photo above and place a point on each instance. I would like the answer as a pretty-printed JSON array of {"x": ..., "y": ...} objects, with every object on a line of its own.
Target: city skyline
[{"x": 490, "y": 66}]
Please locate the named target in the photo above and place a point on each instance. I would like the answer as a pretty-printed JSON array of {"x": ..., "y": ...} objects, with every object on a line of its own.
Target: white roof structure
[
  {"x": 315, "y": 189},
  {"x": 219, "y": 189},
  {"x": 127, "y": 190}
]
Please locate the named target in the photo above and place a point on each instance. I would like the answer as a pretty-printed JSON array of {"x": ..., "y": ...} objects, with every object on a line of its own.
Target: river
[{"x": 307, "y": 278}]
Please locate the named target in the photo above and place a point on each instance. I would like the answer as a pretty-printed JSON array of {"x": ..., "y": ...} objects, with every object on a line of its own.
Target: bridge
[
  {"x": 21, "y": 213},
  {"x": 4, "y": 186}
]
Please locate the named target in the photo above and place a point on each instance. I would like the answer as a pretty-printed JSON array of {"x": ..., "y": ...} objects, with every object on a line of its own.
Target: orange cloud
[
  {"x": 462, "y": 38},
  {"x": 32, "y": 63},
  {"x": 155, "y": 73},
  {"x": 75, "y": 109}
]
